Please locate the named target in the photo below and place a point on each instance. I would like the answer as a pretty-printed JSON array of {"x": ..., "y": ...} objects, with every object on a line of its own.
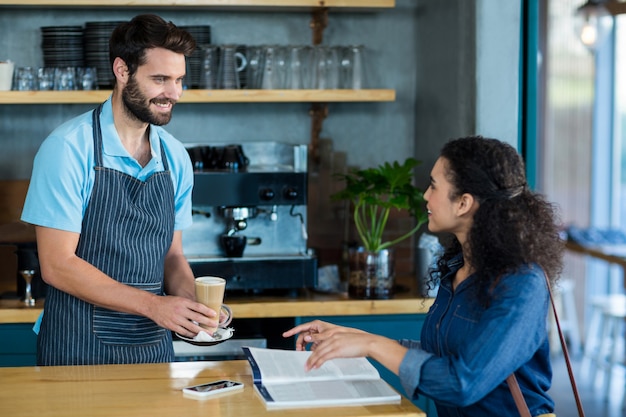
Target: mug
[
  {"x": 6, "y": 75},
  {"x": 233, "y": 158},
  {"x": 233, "y": 245}
]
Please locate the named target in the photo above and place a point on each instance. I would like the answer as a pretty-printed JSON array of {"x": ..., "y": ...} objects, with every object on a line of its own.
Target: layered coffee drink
[{"x": 210, "y": 292}]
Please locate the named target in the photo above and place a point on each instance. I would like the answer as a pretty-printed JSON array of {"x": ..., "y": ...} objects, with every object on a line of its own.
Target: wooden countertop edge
[{"x": 11, "y": 311}]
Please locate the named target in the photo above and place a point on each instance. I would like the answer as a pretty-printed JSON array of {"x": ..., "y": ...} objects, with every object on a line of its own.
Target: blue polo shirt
[{"x": 63, "y": 171}]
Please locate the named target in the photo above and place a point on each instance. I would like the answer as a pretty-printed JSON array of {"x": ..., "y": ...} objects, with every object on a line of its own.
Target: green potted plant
[{"x": 374, "y": 193}]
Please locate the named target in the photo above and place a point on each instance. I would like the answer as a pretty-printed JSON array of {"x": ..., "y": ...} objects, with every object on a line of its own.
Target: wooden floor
[{"x": 595, "y": 402}]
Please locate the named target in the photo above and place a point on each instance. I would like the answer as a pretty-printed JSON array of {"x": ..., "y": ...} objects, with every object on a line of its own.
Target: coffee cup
[
  {"x": 233, "y": 245},
  {"x": 6, "y": 75},
  {"x": 233, "y": 158},
  {"x": 210, "y": 292}
]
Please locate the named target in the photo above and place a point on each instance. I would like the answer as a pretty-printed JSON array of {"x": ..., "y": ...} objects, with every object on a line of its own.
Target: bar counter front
[{"x": 153, "y": 390}]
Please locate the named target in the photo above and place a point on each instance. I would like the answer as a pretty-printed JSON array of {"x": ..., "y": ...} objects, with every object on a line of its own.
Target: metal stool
[
  {"x": 604, "y": 344},
  {"x": 613, "y": 316},
  {"x": 566, "y": 308}
]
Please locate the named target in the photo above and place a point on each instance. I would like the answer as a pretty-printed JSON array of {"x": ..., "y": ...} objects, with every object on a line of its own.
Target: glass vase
[{"x": 372, "y": 274}]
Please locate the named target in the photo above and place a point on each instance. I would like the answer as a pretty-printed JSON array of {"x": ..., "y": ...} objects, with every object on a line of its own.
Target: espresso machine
[{"x": 250, "y": 216}]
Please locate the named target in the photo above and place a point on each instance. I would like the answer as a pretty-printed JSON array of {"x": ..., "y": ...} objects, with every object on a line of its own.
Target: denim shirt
[{"x": 467, "y": 351}]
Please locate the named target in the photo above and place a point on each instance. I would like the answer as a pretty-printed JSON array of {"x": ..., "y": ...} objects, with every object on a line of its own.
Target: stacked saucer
[
  {"x": 96, "y": 44},
  {"x": 62, "y": 46},
  {"x": 202, "y": 36}
]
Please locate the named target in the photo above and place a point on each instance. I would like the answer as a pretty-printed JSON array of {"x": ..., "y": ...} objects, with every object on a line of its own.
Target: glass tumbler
[
  {"x": 65, "y": 79},
  {"x": 325, "y": 68},
  {"x": 208, "y": 71},
  {"x": 45, "y": 79},
  {"x": 255, "y": 66},
  {"x": 25, "y": 78},
  {"x": 295, "y": 69},
  {"x": 87, "y": 78},
  {"x": 352, "y": 70}
]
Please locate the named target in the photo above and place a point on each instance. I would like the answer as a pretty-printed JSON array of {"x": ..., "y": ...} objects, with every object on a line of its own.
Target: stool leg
[
  {"x": 604, "y": 350},
  {"x": 607, "y": 355},
  {"x": 569, "y": 307},
  {"x": 592, "y": 342},
  {"x": 616, "y": 334}
]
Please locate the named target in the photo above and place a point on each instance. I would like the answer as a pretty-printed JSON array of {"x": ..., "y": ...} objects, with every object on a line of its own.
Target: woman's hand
[
  {"x": 329, "y": 341},
  {"x": 306, "y": 332}
]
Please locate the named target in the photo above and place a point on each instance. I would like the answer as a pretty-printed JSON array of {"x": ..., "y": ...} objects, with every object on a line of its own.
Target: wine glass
[{"x": 28, "y": 274}]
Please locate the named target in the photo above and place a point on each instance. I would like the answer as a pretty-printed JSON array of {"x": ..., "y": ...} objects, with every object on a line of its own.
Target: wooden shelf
[
  {"x": 305, "y": 4},
  {"x": 207, "y": 96}
]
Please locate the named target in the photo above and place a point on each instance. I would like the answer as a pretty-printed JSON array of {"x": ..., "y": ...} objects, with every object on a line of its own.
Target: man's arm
[{"x": 61, "y": 268}]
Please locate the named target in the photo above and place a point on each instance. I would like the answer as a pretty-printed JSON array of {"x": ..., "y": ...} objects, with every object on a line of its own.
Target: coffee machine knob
[
  {"x": 266, "y": 194},
  {"x": 291, "y": 193}
]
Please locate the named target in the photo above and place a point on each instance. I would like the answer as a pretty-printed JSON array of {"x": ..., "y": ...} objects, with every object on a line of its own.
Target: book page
[
  {"x": 277, "y": 365},
  {"x": 329, "y": 393}
]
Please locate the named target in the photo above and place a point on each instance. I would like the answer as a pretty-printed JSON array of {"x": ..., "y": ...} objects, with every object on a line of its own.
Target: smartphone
[{"x": 212, "y": 388}]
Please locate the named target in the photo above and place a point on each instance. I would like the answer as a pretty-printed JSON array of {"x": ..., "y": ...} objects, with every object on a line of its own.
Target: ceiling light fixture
[{"x": 593, "y": 23}]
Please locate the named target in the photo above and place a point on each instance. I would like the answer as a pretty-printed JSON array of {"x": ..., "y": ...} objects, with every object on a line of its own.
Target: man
[{"x": 109, "y": 195}]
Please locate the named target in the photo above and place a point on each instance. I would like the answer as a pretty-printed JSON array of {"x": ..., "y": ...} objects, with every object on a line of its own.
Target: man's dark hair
[{"x": 130, "y": 40}]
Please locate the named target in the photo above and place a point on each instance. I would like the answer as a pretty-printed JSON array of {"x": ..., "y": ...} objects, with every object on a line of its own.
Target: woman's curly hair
[{"x": 512, "y": 226}]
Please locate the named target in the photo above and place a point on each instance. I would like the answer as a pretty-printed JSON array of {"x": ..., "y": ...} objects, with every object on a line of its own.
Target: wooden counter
[
  {"x": 308, "y": 304},
  {"x": 150, "y": 390}
]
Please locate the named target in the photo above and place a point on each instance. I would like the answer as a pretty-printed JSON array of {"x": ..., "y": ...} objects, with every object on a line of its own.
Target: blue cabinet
[
  {"x": 395, "y": 326},
  {"x": 18, "y": 345}
]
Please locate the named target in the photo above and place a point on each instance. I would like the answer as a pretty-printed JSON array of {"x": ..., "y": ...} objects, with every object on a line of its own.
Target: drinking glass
[
  {"x": 65, "y": 79},
  {"x": 25, "y": 79},
  {"x": 268, "y": 77},
  {"x": 352, "y": 76},
  {"x": 28, "y": 274},
  {"x": 45, "y": 79},
  {"x": 280, "y": 75},
  {"x": 325, "y": 68},
  {"x": 255, "y": 66},
  {"x": 274, "y": 68},
  {"x": 208, "y": 73},
  {"x": 295, "y": 73},
  {"x": 87, "y": 78}
]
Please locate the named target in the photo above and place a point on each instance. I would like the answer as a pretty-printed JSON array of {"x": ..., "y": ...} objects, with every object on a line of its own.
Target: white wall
[{"x": 497, "y": 69}]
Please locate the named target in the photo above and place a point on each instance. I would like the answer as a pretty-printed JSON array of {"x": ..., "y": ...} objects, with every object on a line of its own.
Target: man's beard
[{"x": 138, "y": 106}]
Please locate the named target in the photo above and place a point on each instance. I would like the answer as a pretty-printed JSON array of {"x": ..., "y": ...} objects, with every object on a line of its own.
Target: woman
[{"x": 489, "y": 317}]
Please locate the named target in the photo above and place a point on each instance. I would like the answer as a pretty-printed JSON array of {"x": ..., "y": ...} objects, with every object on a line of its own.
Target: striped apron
[{"x": 126, "y": 232}]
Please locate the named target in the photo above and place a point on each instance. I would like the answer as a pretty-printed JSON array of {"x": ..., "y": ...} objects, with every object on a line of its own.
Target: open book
[{"x": 281, "y": 381}]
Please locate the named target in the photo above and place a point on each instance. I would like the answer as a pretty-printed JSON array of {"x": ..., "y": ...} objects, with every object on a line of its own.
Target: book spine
[
  {"x": 256, "y": 371},
  {"x": 264, "y": 393}
]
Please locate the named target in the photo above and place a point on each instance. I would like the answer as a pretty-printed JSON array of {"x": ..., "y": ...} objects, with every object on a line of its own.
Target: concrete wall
[{"x": 454, "y": 74}]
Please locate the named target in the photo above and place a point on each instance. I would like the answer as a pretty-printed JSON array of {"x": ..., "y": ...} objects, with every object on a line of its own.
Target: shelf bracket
[
  {"x": 318, "y": 113},
  {"x": 319, "y": 21}
]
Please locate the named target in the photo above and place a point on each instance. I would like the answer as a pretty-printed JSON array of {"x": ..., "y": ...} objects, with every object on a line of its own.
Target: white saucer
[{"x": 221, "y": 335}]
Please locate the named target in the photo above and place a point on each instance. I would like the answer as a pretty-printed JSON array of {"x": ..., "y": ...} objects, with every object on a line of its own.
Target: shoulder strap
[
  {"x": 522, "y": 407},
  {"x": 520, "y": 402},
  {"x": 579, "y": 404}
]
